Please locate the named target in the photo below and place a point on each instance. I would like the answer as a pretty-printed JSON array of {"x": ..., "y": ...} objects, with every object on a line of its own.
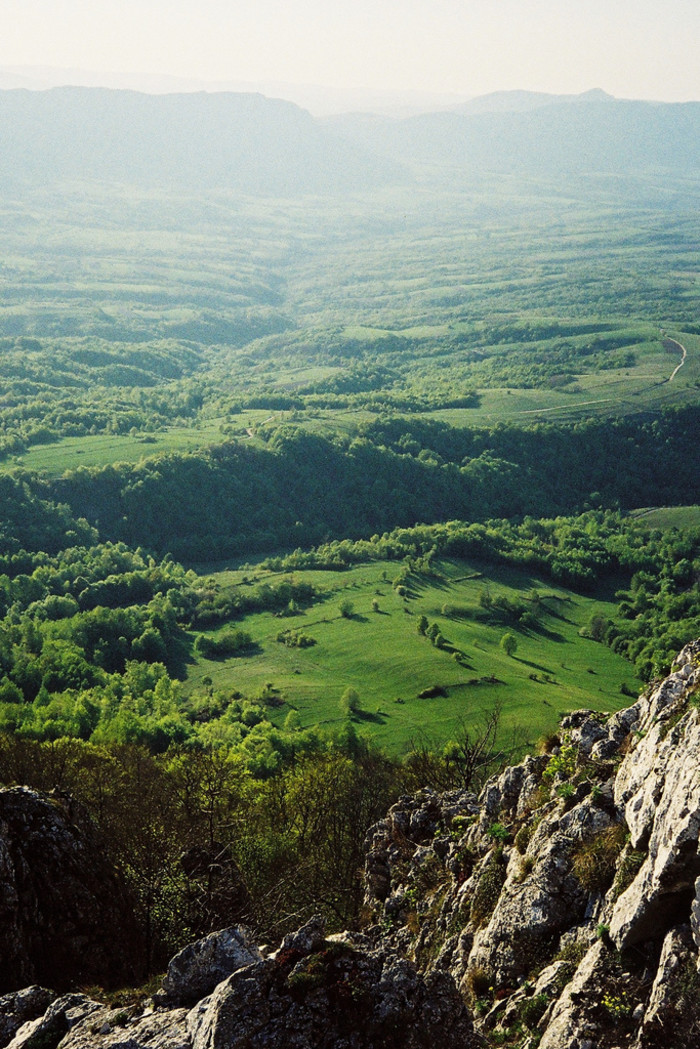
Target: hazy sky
[{"x": 631, "y": 48}]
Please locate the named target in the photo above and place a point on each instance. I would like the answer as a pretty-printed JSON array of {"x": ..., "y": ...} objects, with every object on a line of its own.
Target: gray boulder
[
  {"x": 198, "y": 968},
  {"x": 48, "y": 1030},
  {"x": 20, "y": 1007}
]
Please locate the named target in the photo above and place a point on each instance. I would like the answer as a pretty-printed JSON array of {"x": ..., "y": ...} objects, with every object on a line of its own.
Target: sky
[{"x": 630, "y": 48}]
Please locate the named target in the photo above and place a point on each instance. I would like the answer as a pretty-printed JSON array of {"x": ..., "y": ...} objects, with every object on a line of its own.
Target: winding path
[{"x": 668, "y": 344}]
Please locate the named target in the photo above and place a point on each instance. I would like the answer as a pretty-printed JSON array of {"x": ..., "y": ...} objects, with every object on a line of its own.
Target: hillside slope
[{"x": 562, "y": 903}]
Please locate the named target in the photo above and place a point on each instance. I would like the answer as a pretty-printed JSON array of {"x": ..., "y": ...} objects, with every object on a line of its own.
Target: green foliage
[
  {"x": 499, "y": 832},
  {"x": 532, "y": 1010},
  {"x": 595, "y": 860},
  {"x": 618, "y": 1006},
  {"x": 228, "y": 643},
  {"x": 296, "y": 639},
  {"x": 509, "y": 644},
  {"x": 350, "y": 701},
  {"x": 522, "y": 837},
  {"x": 488, "y": 888},
  {"x": 561, "y": 765}
]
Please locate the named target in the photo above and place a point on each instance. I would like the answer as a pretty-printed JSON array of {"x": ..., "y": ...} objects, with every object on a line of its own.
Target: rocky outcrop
[
  {"x": 198, "y": 968},
  {"x": 20, "y": 1008},
  {"x": 340, "y": 993},
  {"x": 565, "y": 900},
  {"x": 62, "y": 907},
  {"x": 312, "y": 993}
]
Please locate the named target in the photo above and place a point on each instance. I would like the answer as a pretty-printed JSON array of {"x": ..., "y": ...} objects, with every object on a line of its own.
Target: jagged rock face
[
  {"x": 312, "y": 993},
  {"x": 335, "y": 996},
  {"x": 63, "y": 910},
  {"x": 566, "y": 903},
  {"x": 658, "y": 790}
]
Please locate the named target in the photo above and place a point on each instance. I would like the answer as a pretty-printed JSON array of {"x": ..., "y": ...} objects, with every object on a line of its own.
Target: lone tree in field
[
  {"x": 350, "y": 701},
  {"x": 509, "y": 644},
  {"x": 346, "y": 608}
]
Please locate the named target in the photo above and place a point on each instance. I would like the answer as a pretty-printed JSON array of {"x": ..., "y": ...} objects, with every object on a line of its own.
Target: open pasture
[{"x": 377, "y": 650}]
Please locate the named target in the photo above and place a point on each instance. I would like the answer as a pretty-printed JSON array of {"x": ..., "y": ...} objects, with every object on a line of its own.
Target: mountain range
[{"x": 259, "y": 145}]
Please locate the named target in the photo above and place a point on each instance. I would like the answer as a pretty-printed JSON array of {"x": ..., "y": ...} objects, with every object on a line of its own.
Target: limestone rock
[
  {"x": 307, "y": 939},
  {"x": 48, "y": 1030},
  {"x": 198, "y": 968},
  {"x": 533, "y": 911},
  {"x": 575, "y": 1019},
  {"x": 109, "y": 1028},
  {"x": 20, "y": 1007},
  {"x": 62, "y": 907},
  {"x": 668, "y": 1005}
]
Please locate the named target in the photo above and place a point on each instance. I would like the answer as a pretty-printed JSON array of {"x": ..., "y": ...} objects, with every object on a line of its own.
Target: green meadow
[
  {"x": 664, "y": 517},
  {"x": 377, "y": 650}
]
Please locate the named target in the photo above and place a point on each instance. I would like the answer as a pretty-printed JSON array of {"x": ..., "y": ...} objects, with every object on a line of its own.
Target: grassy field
[
  {"x": 104, "y": 449},
  {"x": 669, "y": 516},
  {"x": 380, "y": 653}
]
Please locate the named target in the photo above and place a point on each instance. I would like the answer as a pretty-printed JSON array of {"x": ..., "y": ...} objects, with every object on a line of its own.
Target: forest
[{"x": 330, "y": 490}]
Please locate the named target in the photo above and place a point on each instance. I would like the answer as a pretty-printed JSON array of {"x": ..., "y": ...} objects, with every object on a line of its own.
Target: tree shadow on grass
[
  {"x": 535, "y": 666},
  {"x": 367, "y": 716},
  {"x": 550, "y": 635}
]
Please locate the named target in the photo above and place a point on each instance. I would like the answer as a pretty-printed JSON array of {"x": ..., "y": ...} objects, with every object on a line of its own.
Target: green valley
[{"x": 337, "y": 459}]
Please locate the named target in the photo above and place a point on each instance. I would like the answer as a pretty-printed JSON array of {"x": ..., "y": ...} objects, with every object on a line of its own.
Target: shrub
[
  {"x": 630, "y": 863},
  {"x": 230, "y": 643},
  {"x": 499, "y": 832},
  {"x": 527, "y": 864},
  {"x": 350, "y": 701},
  {"x": 509, "y": 644},
  {"x": 596, "y": 859},
  {"x": 295, "y": 639},
  {"x": 488, "y": 889},
  {"x": 561, "y": 765},
  {"x": 477, "y": 981},
  {"x": 522, "y": 838},
  {"x": 532, "y": 1009}
]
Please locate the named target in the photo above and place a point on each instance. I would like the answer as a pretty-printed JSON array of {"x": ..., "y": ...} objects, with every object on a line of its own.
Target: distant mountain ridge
[
  {"x": 268, "y": 146},
  {"x": 242, "y": 141},
  {"x": 593, "y": 134},
  {"x": 524, "y": 101}
]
